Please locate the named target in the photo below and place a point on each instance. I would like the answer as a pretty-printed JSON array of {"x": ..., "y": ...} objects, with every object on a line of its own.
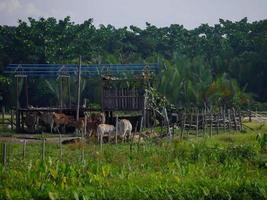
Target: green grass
[{"x": 226, "y": 166}]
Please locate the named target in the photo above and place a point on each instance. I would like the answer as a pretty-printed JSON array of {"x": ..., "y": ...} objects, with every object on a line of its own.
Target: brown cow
[
  {"x": 93, "y": 120},
  {"x": 61, "y": 119},
  {"x": 78, "y": 125}
]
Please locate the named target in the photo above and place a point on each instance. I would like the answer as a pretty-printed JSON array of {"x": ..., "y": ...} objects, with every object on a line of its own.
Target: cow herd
[
  {"x": 58, "y": 122},
  {"x": 95, "y": 125}
]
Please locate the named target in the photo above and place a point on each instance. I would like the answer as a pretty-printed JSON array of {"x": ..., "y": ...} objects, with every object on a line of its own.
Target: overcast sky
[{"x": 190, "y": 13}]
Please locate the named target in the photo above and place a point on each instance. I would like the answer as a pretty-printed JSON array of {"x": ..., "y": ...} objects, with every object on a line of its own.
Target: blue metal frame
[{"x": 89, "y": 71}]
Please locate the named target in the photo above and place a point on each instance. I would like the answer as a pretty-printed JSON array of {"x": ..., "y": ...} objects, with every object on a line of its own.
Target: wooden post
[
  {"x": 12, "y": 119},
  {"x": 141, "y": 124},
  {"x": 3, "y": 116},
  {"x": 183, "y": 124},
  {"x": 82, "y": 150},
  {"x": 136, "y": 125},
  {"x": 240, "y": 121},
  {"x": 217, "y": 123},
  {"x": 17, "y": 106},
  {"x": 26, "y": 91},
  {"x": 224, "y": 125},
  {"x": 4, "y": 152},
  {"x": 144, "y": 112},
  {"x": 43, "y": 149},
  {"x": 101, "y": 141},
  {"x": 173, "y": 129},
  {"x": 190, "y": 123},
  {"x": 229, "y": 120},
  {"x": 116, "y": 133},
  {"x": 60, "y": 147},
  {"x": 197, "y": 122},
  {"x": 205, "y": 120},
  {"x": 235, "y": 123},
  {"x": 250, "y": 115},
  {"x": 79, "y": 90},
  {"x": 61, "y": 92},
  {"x": 211, "y": 123},
  {"x": 24, "y": 149},
  {"x": 69, "y": 96}
]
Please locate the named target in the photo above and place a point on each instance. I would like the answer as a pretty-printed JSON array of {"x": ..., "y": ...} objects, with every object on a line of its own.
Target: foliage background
[{"x": 226, "y": 61}]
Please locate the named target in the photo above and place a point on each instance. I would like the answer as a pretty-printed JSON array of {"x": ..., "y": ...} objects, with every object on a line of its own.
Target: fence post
[
  {"x": 211, "y": 123},
  {"x": 234, "y": 114},
  {"x": 141, "y": 124},
  {"x": 24, "y": 149},
  {"x": 60, "y": 146},
  {"x": 116, "y": 131},
  {"x": 229, "y": 120},
  {"x": 190, "y": 122},
  {"x": 3, "y": 116},
  {"x": 224, "y": 127},
  {"x": 12, "y": 119},
  {"x": 217, "y": 123},
  {"x": 43, "y": 149},
  {"x": 197, "y": 123},
  {"x": 240, "y": 121},
  {"x": 82, "y": 141},
  {"x": 204, "y": 121},
  {"x": 4, "y": 154}
]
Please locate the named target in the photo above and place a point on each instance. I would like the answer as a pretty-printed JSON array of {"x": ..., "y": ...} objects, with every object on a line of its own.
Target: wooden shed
[{"x": 122, "y": 85}]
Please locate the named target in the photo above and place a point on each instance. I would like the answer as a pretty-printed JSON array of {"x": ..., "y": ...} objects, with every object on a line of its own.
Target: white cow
[
  {"x": 125, "y": 128},
  {"x": 103, "y": 129}
]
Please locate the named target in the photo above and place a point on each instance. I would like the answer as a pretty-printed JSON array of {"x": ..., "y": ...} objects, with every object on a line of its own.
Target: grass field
[{"x": 226, "y": 166}]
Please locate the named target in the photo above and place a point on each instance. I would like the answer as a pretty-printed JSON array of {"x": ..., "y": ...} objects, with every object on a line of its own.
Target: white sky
[{"x": 190, "y": 13}]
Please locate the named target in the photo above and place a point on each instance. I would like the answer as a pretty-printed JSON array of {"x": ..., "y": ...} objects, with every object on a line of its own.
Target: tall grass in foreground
[{"x": 223, "y": 167}]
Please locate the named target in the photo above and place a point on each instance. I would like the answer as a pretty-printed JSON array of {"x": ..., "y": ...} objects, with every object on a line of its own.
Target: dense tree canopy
[{"x": 203, "y": 64}]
